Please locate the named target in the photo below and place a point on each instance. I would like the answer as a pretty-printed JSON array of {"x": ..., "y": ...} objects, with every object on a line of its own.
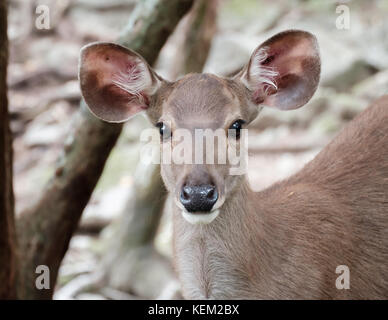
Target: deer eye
[
  {"x": 164, "y": 130},
  {"x": 235, "y": 128}
]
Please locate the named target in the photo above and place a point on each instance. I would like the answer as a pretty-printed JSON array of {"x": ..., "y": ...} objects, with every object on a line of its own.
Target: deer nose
[{"x": 199, "y": 198}]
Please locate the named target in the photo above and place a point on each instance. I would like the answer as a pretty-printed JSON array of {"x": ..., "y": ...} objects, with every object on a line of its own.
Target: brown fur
[{"x": 287, "y": 241}]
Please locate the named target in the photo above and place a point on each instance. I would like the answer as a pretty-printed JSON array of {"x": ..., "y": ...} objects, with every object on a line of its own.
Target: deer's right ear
[{"x": 116, "y": 83}]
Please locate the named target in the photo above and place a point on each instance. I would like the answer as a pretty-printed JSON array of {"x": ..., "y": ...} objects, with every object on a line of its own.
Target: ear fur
[
  {"x": 284, "y": 71},
  {"x": 116, "y": 82}
]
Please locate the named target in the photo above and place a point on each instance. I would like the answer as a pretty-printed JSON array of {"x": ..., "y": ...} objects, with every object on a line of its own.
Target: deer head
[{"x": 117, "y": 84}]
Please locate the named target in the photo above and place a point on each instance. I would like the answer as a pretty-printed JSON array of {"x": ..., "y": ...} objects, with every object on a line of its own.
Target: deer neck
[{"x": 208, "y": 256}]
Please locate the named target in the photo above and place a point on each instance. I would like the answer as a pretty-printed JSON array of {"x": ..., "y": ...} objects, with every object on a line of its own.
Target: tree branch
[{"x": 202, "y": 27}]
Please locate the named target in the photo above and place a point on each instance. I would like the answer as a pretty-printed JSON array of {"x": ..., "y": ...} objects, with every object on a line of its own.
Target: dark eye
[
  {"x": 164, "y": 130},
  {"x": 235, "y": 128}
]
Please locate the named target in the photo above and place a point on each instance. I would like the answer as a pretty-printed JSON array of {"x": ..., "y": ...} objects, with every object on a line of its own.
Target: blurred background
[{"x": 118, "y": 251}]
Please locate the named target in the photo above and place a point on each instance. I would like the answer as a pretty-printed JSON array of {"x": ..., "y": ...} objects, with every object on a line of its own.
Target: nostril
[
  {"x": 185, "y": 194},
  {"x": 212, "y": 193}
]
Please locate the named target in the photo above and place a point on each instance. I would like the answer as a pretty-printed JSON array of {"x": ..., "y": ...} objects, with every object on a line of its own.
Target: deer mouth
[{"x": 200, "y": 217}]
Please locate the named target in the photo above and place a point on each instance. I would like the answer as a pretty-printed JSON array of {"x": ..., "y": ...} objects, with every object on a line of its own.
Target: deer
[{"x": 287, "y": 241}]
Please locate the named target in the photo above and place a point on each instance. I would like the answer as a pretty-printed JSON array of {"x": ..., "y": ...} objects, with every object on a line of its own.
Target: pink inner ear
[
  {"x": 262, "y": 74},
  {"x": 284, "y": 71},
  {"x": 263, "y": 90},
  {"x": 114, "y": 82},
  {"x": 132, "y": 80},
  {"x": 125, "y": 71}
]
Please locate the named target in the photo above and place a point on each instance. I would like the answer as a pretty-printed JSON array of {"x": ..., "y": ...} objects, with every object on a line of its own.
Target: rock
[
  {"x": 107, "y": 24},
  {"x": 341, "y": 108},
  {"x": 359, "y": 70},
  {"x": 44, "y": 134},
  {"x": 372, "y": 87},
  {"x": 229, "y": 52},
  {"x": 101, "y": 211},
  {"x": 90, "y": 296}
]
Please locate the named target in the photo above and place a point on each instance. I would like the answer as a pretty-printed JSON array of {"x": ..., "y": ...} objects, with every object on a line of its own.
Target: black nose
[{"x": 199, "y": 198}]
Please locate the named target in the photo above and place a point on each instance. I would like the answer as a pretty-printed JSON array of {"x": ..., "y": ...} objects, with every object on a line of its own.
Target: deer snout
[{"x": 199, "y": 198}]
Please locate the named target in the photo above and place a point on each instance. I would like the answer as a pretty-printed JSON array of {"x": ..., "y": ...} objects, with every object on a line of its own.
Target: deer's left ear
[{"x": 284, "y": 71}]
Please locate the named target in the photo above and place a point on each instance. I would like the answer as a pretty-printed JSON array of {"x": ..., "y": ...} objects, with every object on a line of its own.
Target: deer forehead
[{"x": 201, "y": 100}]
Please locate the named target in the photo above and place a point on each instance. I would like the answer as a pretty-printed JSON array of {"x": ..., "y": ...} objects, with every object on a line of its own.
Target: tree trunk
[
  {"x": 202, "y": 27},
  {"x": 192, "y": 41},
  {"x": 7, "y": 229},
  {"x": 46, "y": 228}
]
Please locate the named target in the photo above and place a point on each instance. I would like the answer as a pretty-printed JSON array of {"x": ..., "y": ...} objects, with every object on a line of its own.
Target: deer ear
[
  {"x": 284, "y": 71},
  {"x": 116, "y": 83}
]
